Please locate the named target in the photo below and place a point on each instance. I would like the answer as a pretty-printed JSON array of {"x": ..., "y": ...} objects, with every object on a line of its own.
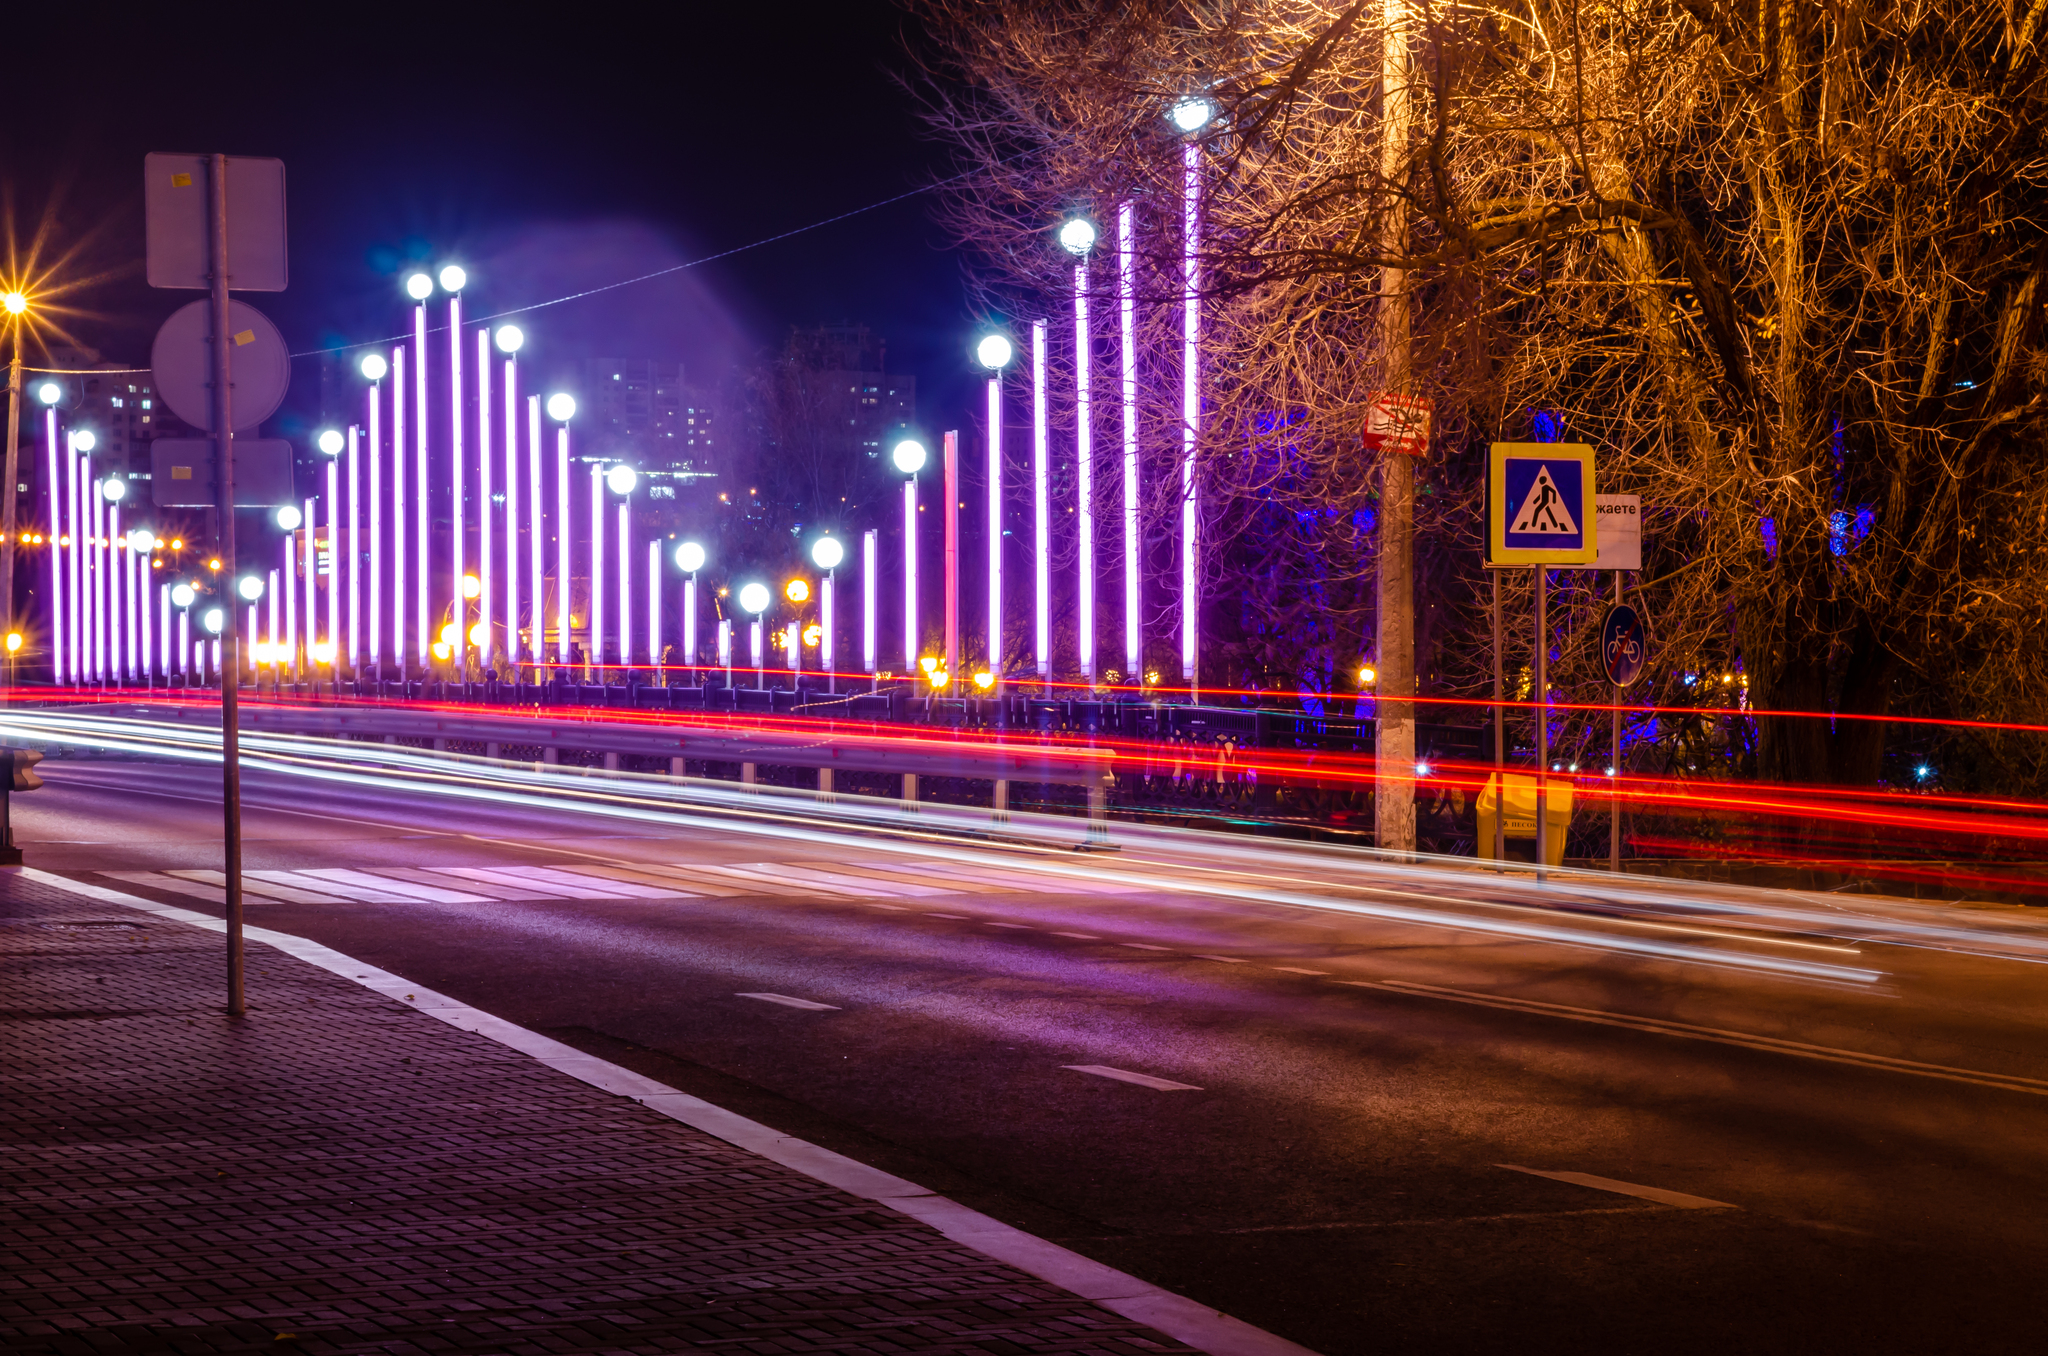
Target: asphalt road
[{"x": 1848, "y": 1153}]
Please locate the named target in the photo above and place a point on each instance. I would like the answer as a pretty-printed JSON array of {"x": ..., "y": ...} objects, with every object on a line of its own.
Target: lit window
[{"x": 145, "y": 404}]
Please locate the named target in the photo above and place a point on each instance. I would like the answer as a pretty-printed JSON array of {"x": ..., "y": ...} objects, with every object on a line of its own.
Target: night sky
[{"x": 545, "y": 151}]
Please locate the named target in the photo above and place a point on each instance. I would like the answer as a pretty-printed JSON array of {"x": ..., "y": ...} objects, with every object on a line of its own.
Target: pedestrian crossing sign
[{"x": 1539, "y": 506}]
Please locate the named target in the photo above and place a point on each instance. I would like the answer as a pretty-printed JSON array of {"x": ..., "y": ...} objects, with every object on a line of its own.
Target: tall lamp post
[
  {"x": 1127, "y": 321},
  {"x": 419, "y": 286},
  {"x": 620, "y": 480},
  {"x": 909, "y": 457},
  {"x": 994, "y": 353},
  {"x": 50, "y": 393},
  {"x": 453, "y": 280},
  {"x": 561, "y": 409},
  {"x": 754, "y": 600},
  {"x": 1077, "y": 237},
  {"x": 826, "y": 554},
  {"x": 509, "y": 340},
  {"x": 1190, "y": 115},
  {"x": 13, "y": 312},
  {"x": 690, "y": 559},
  {"x": 373, "y": 369}
]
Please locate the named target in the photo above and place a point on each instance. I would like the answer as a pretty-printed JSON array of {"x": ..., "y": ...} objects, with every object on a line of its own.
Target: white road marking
[
  {"x": 1658, "y": 1026},
  {"x": 256, "y": 884},
  {"x": 431, "y": 894},
  {"x": 1144, "y": 946},
  {"x": 1227, "y": 960},
  {"x": 527, "y": 878},
  {"x": 1648, "y": 1193},
  {"x": 1084, "y": 936},
  {"x": 956, "y": 917},
  {"x": 1297, "y": 970},
  {"x": 892, "y": 908},
  {"x": 1026, "y": 926},
  {"x": 806, "y": 1004},
  {"x": 1126, "y": 1076}
]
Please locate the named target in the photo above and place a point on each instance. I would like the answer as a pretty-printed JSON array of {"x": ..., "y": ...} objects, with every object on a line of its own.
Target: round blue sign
[{"x": 1624, "y": 645}]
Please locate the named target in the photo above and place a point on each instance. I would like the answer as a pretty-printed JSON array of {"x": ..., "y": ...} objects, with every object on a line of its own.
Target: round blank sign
[{"x": 258, "y": 366}]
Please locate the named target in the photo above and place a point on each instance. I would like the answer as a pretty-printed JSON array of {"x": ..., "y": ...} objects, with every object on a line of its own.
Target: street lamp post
[
  {"x": 870, "y": 562},
  {"x": 420, "y": 286},
  {"x": 331, "y": 442},
  {"x": 509, "y": 340},
  {"x": 826, "y": 554},
  {"x": 374, "y": 368},
  {"x": 754, "y": 599},
  {"x": 50, "y": 393},
  {"x": 909, "y": 457},
  {"x": 594, "y": 666},
  {"x": 453, "y": 280},
  {"x": 1190, "y": 115},
  {"x": 561, "y": 408},
  {"x": 484, "y": 454},
  {"x": 994, "y": 353},
  {"x": 1394, "y": 735},
  {"x": 620, "y": 480},
  {"x": 1127, "y": 317},
  {"x": 13, "y": 311},
  {"x": 690, "y": 559},
  {"x": 1041, "y": 501}
]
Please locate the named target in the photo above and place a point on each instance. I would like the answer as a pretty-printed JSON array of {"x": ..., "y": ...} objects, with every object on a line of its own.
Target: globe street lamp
[
  {"x": 909, "y": 456},
  {"x": 754, "y": 599},
  {"x": 826, "y": 554},
  {"x": 561, "y": 409},
  {"x": 1077, "y": 237},
  {"x": 798, "y": 591},
  {"x": 994, "y": 353},
  {"x": 690, "y": 559}
]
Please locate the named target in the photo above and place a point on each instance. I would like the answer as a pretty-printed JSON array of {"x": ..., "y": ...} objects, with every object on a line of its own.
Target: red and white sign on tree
[{"x": 1397, "y": 423}]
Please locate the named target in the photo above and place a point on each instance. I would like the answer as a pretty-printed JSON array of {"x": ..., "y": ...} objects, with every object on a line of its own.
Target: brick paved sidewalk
[{"x": 337, "y": 1173}]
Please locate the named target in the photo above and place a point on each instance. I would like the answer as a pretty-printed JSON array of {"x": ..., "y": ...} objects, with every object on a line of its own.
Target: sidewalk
[{"x": 338, "y": 1173}]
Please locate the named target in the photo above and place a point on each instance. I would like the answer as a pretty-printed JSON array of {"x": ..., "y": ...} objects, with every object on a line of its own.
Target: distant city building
[
  {"x": 119, "y": 407},
  {"x": 644, "y": 411},
  {"x": 866, "y": 399}
]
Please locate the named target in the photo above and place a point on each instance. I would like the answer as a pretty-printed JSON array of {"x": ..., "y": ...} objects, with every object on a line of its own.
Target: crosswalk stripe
[
  {"x": 415, "y": 893},
  {"x": 527, "y": 880},
  {"x": 158, "y": 880},
  {"x": 255, "y": 884},
  {"x": 689, "y": 878},
  {"x": 667, "y": 886},
  {"x": 833, "y": 882},
  {"x": 603, "y": 879},
  {"x": 441, "y": 875}
]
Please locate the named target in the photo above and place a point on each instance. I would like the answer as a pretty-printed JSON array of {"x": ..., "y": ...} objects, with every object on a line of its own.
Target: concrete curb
[{"x": 1177, "y": 1316}]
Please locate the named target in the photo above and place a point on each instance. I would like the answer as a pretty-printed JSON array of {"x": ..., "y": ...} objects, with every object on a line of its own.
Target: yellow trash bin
[{"x": 1520, "y": 818}]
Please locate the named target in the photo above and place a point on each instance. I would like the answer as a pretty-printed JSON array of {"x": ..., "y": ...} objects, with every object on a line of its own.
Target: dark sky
[{"x": 546, "y": 150}]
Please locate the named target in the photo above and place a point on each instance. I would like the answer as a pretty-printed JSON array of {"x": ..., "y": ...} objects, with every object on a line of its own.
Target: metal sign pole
[
  {"x": 224, "y": 498},
  {"x": 1542, "y": 574},
  {"x": 1614, "y": 801},
  {"x": 1500, "y": 776}
]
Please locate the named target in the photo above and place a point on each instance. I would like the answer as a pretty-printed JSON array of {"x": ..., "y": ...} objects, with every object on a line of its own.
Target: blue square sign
[{"x": 1541, "y": 506}]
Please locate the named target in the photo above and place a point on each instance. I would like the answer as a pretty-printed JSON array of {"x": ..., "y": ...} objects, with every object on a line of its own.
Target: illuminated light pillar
[
  {"x": 870, "y": 561},
  {"x": 333, "y": 566},
  {"x": 995, "y": 525},
  {"x": 355, "y": 557},
  {"x": 312, "y": 567},
  {"x": 1041, "y": 499},
  {"x": 457, "y": 541},
  {"x": 99, "y": 580},
  {"x": 596, "y": 656},
  {"x": 725, "y": 648},
  {"x": 1078, "y": 236},
  {"x": 149, "y": 630},
  {"x": 511, "y": 498},
  {"x": 277, "y": 598},
  {"x": 1191, "y": 415},
  {"x": 75, "y": 546},
  {"x": 111, "y": 566},
  {"x": 290, "y": 658},
  {"x": 760, "y": 660},
  {"x": 793, "y": 648},
  {"x": 185, "y": 643},
  {"x": 58, "y": 632},
  {"x": 690, "y": 620},
  {"x": 625, "y": 584},
  {"x": 252, "y": 627},
  {"x": 484, "y": 451},
  {"x": 562, "y": 543},
  {"x": 398, "y": 551},
  {"x": 536, "y": 543},
  {"x": 910, "y": 574},
  {"x": 654, "y": 602},
  {"x": 1127, "y": 308},
  {"x": 422, "y": 534},
  {"x": 163, "y": 644},
  {"x": 825, "y": 652}
]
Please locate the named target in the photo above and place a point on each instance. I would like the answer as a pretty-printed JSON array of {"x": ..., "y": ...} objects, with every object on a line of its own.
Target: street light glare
[
  {"x": 562, "y": 406},
  {"x": 115, "y": 491},
  {"x": 331, "y": 442},
  {"x": 183, "y": 595},
  {"x": 1078, "y": 236},
  {"x": 85, "y": 440},
  {"x": 471, "y": 586},
  {"x": 754, "y": 598},
  {"x": 374, "y": 366},
  {"x": 15, "y": 303},
  {"x": 214, "y": 619},
  {"x": 419, "y": 287},
  {"x": 826, "y": 553},
  {"x": 49, "y": 393},
  {"x": 995, "y": 352},
  {"x": 453, "y": 278},
  {"x": 689, "y": 557},
  {"x": 142, "y": 539},
  {"x": 1192, "y": 114},
  {"x": 908, "y": 456},
  {"x": 510, "y": 337},
  {"x": 621, "y": 479},
  {"x": 250, "y": 587},
  {"x": 797, "y": 590},
  {"x": 289, "y": 518}
]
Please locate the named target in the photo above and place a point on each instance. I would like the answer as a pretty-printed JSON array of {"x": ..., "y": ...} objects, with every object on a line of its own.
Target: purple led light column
[
  {"x": 333, "y": 569},
  {"x": 1041, "y": 500},
  {"x": 483, "y": 495},
  {"x": 398, "y": 546},
  {"x": 1190, "y": 411},
  {"x": 111, "y": 565},
  {"x": 595, "y": 658},
  {"x": 511, "y": 509},
  {"x": 825, "y": 655},
  {"x": 625, "y": 585},
  {"x": 1084, "y": 482},
  {"x": 58, "y": 633},
  {"x": 654, "y": 602},
  {"x": 910, "y": 574},
  {"x": 422, "y": 536},
  {"x": 99, "y": 580},
  {"x": 458, "y": 603},
  {"x": 562, "y": 543},
  {"x": 690, "y": 621},
  {"x": 305, "y": 664},
  {"x": 870, "y": 561},
  {"x": 536, "y": 543},
  {"x": 995, "y": 526},
  {"x": 1127, "y": 307},
  {"x": 163, "y": 593},
  {"x": 355, "y": 556}
]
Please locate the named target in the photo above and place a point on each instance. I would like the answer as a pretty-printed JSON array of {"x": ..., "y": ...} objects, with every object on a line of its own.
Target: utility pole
[{"x": 1394, "y": 723}]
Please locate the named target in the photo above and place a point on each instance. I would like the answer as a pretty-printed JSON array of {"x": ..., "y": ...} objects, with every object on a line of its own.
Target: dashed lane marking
[
  {"x": 1297, "y": 970},
  {"x": 1126, "y": 1076},
  {"x": 786, "y": 1001},
  {"x": 1083, "y": 936},
  {"x": 1648, "y": 1193},
  {"x": 1227, "y": 960}
]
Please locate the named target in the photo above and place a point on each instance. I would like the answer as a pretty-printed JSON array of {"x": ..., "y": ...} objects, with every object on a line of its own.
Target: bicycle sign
[{"x": 1624, "y": 645}]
